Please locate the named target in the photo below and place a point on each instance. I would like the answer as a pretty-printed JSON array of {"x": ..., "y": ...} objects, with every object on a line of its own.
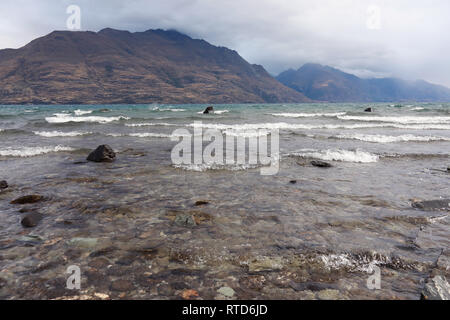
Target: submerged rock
[
  {"x": 201, "y": 203},
  {"x": 431, "y": 205},
  {"x": 185, "y": 220},
  {"x": 83, "y": 242},
  {"x": 293, "y": 181},
  {"x": 3, "y": 184},
  {"x": 103, "y": 153},
  {"x": 321, "y": 164},
  {"x": 122, "y": 285},
  {"x": 436, "y": 288},
  {"x": 208, "y": 110},
  {"x": 226, "y": 291},
  {"x": 31, "y": 220},
  {"x": 28, "y": 199},
  {"x": 368, "y": 110},
  {"x": 265, "y": 265}
]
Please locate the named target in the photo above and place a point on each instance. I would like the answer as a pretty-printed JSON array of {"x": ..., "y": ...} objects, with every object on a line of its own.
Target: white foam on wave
[
  {"x": 51, "y": 134},
  {"x": 206, "y": 167},
  {"x": 147, "y": 124},
  {"x": 64, "y": 118},
  {"x": 296, "y": 126},
  {"x": 399, "y": 119},
  {"x": 378, "y": 138},
  {"x": 358, "y": 156},
  {"x": 168, "y": 109},
  {"x": 221, "y": 111},
  {"x": 82, "y": 112},
  {"x": 307, "y": 115},
  {"x": 32, "y": 151}
]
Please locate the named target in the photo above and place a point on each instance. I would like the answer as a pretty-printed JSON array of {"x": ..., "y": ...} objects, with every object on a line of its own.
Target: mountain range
[
  {"x": 159, "y": 66},
  {"x": 324, "y": 83},
  {"x": 112, "y": 66}
]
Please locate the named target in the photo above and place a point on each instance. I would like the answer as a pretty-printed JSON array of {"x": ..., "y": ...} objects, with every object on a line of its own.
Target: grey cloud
[{"x": 412, "y": 42}]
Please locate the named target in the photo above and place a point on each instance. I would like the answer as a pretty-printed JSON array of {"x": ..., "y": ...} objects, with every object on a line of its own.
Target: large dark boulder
[
  {"x": 31, "y": 220},
  {"x": 208, "y": 110},
  {"x": 103, "y": 153},
  {"x": 368, "y": 110},
  {"x": 3, "y": 184}
]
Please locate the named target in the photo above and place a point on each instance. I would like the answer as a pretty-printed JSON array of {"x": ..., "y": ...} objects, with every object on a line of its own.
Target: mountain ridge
[
  {"x": 117, "y": 66},
  {"x": 325, "y": 83}
]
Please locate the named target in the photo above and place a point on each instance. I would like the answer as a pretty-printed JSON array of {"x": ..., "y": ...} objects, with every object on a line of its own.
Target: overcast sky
[{"x": 404, "y": 38}]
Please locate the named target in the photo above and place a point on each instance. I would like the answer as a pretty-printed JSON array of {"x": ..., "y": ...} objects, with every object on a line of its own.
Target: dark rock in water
[
  {"x": 293, "y": 181},
  {"x": 31, "y": 220},
  {"x": 321, "y": 164},
  {"x": 122, "y": 285},
  {"x": 201, "y": 202},
  {"x": 368, "y": 110},
  {"x": 448, "y": 169},
  {"x": 208, "y": 110},
  {"x": 3, "y": 184},
  {"x": 185, "y": 220},
  {"x": 28, "y": 199},
  {"x": 104, "y": 110},
  {"x": 313, "y": 286},
  {"x": 103, "y": 153},
  {"x": 436, "y": 288},
  {"x": 80, "y": 162},
  {"x": 432, "y": 205}
]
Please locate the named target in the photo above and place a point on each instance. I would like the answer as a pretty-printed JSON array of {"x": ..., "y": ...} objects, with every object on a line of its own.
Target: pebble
[{"x": 226, "y": 291}]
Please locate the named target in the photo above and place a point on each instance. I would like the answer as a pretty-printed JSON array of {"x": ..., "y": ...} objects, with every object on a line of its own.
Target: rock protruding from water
[
  {"x": 368, "y": 110},
  {"x": 31, "y": 220},
  {"x": 103, "y": 153},
  {"x": 33, "y": 198},
  {"x": 208, "y": 110},
  {"x": 436, "y": 288},
  {"x": 3, "y": 184},
  {"x": 432, "y": 205},
  {"x": 321, "y": 164}
]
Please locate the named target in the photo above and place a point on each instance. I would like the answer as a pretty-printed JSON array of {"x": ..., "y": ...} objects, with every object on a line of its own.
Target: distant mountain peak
[{"x": 325, "y": 83}]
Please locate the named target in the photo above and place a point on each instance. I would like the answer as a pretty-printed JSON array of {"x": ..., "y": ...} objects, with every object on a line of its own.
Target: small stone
[
  {"x": 189, "y": 294},
  {"x": 329, "y": 294},
  {"x": 31, "y": 220},
  {"x": 103, "y": 153},
  {"x": 293, "y": 181},
  {"x": 83, "y": 242},
  {"x": 265, "y": 264},
  {"x": 102, "y": 296},
  {"x": 321, "y": 164},
  {"x": 436, "y": 288},
  {"x": 226, "y": 291},
  {"x": 185, "y": 220},
  {"x": 3, "y": 184},
  {"x": 99, "y": 263},
  {"x": 28, "y": 199},
  {"x": 201, "y": 203},
  {"x": 122, "y": 285}
]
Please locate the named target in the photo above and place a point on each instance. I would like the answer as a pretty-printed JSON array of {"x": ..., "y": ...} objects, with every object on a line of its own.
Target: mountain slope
[
  {"x": 114, "y": 66},
  {"x": 324, "y": 83}
]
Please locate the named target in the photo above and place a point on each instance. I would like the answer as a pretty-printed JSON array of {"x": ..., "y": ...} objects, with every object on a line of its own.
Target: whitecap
[
  {"x": 399, "y": 119},
  {"x": 307, "y": 115},
  {"x": 389, "y": 139},
  {"x": 63, "y": 118},
  {"x": 50, "y": 134},
  {"x": 337, "y": 155},
  {"x": 82, "y": 112},
  {"x": 32, "y": 151}
]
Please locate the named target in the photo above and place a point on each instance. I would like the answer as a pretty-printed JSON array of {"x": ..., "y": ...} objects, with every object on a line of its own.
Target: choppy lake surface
[{"x": 304, "y": 233}]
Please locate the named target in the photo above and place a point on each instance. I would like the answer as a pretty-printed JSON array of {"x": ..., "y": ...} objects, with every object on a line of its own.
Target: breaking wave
[
  {"x": 337, "y": 155},
  {"x": 64, "y": 118},
  {"x": 31, "y": 151},
  {"x": 378, "y": 138},
  {"x": 50, "y": 134}
]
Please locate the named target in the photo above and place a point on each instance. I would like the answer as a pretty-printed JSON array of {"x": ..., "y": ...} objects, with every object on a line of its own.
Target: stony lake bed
[{"x": 140, "y": 228}]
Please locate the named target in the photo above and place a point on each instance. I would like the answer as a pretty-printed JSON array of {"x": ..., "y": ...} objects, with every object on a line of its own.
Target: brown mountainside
[{"x": 114, "y": 66}]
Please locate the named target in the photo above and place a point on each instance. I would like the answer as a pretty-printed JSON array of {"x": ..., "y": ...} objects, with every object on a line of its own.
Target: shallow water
[{"x": 260, "y": 235}]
